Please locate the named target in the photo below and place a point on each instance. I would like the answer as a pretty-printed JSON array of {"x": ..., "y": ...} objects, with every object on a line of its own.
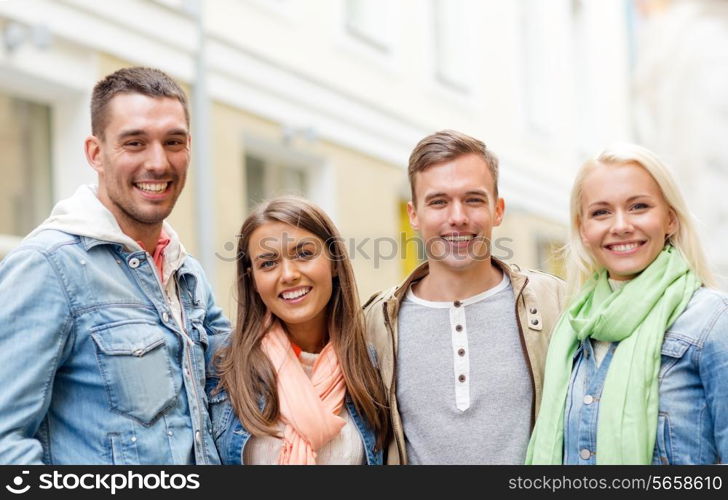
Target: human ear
[
  {"x": 500, "y": 208},
  {"x": 412, "y": 213},
  {"x": 672, "y": 225},
  {"x": 92, "y": 149}
]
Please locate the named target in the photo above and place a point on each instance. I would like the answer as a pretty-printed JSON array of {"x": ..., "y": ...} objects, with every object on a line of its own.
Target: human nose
[
  {"x": 156, "y": 157},
  {"x": 289, "y": 271},
  {"x": 621, "y": 223},
  {"x": 458, "y": 217}
]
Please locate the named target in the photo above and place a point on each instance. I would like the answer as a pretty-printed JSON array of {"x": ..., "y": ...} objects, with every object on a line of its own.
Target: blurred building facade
[
  {"x": 324, "y": 98},
  {"x": 681, "y": 107}
]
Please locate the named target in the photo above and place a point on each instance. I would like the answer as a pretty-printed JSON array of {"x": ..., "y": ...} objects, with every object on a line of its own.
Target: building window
[
  {"x": 369, "y": 21},
  {"x": 266, "y": 178},
  {"x": 25, "y": 167},
  {"x": 451, "y": 20}
]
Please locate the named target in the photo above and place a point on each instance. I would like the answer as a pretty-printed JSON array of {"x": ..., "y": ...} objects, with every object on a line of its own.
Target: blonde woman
[
  {"x": 637, "y": 366},
  {"x": 297, "y": 384}
]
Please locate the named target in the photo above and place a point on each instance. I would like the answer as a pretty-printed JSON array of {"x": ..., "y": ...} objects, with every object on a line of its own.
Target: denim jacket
[
  {"x": 692, "y": 426},
  {"x": 231, "y": 437},
  {"x": 95, "y": 370}
]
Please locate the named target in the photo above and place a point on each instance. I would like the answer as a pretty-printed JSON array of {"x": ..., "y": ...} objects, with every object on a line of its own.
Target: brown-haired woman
[{"x": 296, "y": 382}]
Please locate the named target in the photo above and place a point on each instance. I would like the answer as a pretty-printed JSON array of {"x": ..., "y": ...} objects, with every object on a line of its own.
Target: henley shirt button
[
  {"x": 588, "y": 399},
  {"x": 134, "y": 262},
  {"x": 461, "y": 352},
  {"x": 461, "y": 378},
  {"x": 457, "y": 303},
  {"x": 533, "y": 310},
  {"x": 458, "y": 328},
  {"x": 165, "y": 316},
  {"x": 585, "y": 454},
  {"x": 534, "y": 322}
]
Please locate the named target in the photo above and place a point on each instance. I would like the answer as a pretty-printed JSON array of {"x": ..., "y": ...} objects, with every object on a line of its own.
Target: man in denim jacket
[{"x": 106, "y": 322}]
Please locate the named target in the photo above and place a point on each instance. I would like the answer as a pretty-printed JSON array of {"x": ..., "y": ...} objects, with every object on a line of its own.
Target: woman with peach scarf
[{"x": 296, "y": 382}]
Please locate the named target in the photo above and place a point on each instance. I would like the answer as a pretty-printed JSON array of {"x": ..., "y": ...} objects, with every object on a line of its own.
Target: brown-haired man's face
[
  {"x": 456, "y": 211},
  {"x": 142, "y": 160}
]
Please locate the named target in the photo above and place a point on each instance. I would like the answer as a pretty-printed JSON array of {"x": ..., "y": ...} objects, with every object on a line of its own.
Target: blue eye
[{"x": 599, "y": 212}]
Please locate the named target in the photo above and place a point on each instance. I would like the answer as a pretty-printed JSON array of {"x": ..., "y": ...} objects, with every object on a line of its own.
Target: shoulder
[
  {"x": 44, "y": 251},
  {"x": 542, "y": 279},
  {"x": 378, "y": 298},
  {"x": 193, "y": 265},
  {"x": 47, "y": 242},
  {"x": 705, "y": 317},
  {"x": 542, "y": 286}
]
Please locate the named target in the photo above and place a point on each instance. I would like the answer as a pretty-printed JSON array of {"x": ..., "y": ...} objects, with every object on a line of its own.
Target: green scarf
[{"x": 637, "y": 317}]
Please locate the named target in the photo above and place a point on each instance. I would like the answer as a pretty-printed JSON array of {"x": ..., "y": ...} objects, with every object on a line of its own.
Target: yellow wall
[{"x": 367, "y": 204}]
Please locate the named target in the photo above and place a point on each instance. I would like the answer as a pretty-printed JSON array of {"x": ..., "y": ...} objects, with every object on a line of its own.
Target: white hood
[{"x": 83, "y": 214}]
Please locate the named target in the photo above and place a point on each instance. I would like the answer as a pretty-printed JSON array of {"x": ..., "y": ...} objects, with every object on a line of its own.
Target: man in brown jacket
[{"x": 461, "y": 343}]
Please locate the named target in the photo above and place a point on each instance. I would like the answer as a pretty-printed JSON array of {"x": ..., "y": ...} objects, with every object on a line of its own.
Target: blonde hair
[{"x": 581, "y": 265}]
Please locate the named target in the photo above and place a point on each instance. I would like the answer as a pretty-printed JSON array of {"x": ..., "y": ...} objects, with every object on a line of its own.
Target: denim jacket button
[
  {"x": 198, "y": 437},
  {"x": 585, "y": 454},
  {"x": 134, "y": 262},
  {"x": 165, "y": 316}
]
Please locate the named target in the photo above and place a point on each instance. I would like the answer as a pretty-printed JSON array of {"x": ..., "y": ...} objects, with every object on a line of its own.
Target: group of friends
[{"x": 114, "y": 351}]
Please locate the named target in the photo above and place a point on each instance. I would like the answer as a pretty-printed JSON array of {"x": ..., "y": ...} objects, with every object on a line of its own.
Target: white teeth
[
  {"x": 459, "y": 238},
  {"x": 152, "y": 187},
  {"x": 624, "y": 248},
  {"x": 296, "y": 293}
]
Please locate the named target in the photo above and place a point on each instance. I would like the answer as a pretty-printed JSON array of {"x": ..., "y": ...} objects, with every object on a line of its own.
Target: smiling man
[
  {"x": 462, "y": 342},
  {"x": 107, "y": 323}
]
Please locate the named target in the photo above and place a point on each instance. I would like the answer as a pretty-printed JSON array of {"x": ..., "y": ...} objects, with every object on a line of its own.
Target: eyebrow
[
  {"x": 630, "y": 199},
  {"x": 137, "y": 131},
  {"x": 477, "y": 192},
  {"x": 268, "y": 255}
]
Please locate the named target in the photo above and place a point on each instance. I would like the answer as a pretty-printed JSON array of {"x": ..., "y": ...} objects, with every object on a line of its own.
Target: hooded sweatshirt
[{"x": 83, "y": 214}]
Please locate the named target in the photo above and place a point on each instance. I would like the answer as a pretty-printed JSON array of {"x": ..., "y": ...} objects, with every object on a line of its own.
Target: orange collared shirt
[{"x": 158, "y": 253}]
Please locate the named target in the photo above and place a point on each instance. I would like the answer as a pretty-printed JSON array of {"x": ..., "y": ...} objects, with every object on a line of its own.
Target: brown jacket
[{"x": 539, "y": 300}]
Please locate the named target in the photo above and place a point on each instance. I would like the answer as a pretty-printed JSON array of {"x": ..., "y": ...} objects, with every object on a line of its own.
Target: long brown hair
[{"x": 247, "y": 374}]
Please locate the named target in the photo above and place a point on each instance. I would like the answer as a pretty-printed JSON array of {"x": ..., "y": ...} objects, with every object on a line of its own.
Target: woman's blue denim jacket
[
  {"x": 692, "y": 426},
  {"x": 231, "y": 437}
]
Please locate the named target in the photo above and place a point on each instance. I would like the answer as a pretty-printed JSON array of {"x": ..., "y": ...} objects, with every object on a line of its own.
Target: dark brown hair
[
  {"x": 146, "y": 81},
  {"x": 447, "y": 145},
  {"x": 246, "y": 372}
]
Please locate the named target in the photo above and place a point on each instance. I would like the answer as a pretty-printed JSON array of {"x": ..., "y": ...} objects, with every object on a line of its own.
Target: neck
[
  {"x": 149, "y": 236},
  {"x": 310, "y": 336},
  {"x": 444, "y": 284}
]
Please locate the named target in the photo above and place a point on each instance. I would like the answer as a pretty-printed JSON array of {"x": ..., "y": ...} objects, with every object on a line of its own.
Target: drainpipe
[{"x": 201, "y": 159}]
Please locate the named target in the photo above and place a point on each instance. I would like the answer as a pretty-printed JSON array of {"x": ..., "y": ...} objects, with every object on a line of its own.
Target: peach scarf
[{"x": 309, "y": 406}]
